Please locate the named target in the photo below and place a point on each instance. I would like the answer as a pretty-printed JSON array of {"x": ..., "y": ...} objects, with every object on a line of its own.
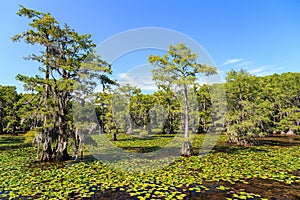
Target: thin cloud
[
  {"x": 140, "y": 77},
  {"x": 233, "y": 61},
  {"x": 259, "y": 69},
  {"x": 265, "y": 70}
]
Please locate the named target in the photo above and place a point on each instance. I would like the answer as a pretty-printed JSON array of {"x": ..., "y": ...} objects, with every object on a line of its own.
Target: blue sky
[{"x": 262, "y": 36}]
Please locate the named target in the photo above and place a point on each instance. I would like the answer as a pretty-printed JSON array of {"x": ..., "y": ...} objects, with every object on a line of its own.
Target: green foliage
[
  {"x": 179, "y": 69},
  {"x": 172, "y": 110},
  {"x": 204, "y": 108},
  {"x": 67, "y": 60},
  {"x": 9, "y": 121},
  {"x": 29, "y": 137},
  {"x": 121, "y": 102},
  {"x": 139, "y": 109},
  {"x": 26, "y": 110},
  {"x": 261, "y": 105},
  {"x": 238, "y": 166}
]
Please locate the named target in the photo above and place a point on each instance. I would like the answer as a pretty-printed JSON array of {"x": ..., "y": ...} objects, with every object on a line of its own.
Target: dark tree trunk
[
  {"x": 102, "y": 127},
  {"x": 170, "y": 121},
  {"x": 170, "y": 129},
  {"x": 47, "y": 154},
  {"x": 114, "y": 136},
  {"x": 200, "y": 128},
  {"x": 65, "y": 155},
  {"x": 62, "y": 151}
]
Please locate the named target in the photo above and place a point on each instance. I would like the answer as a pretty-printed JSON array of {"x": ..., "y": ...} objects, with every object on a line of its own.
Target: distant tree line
[
  {"x": 262, "y": 105},
  {"x": 256, "y": 106}
]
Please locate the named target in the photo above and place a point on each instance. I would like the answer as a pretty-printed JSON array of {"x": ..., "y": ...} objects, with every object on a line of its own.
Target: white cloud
[
  {"x": 122, "y": 75},
  {"x": 252, "y": 67},
  {"x": 264, "y": 70},
  {"x": 232, "y": 61},
  {"x": 259, "y": 69},
  {"x": 124, "y": 78},
  {"x": 149, "y": 87},
  {"x": 235, "y": 64},
  {"x": 140, "y": 77}
]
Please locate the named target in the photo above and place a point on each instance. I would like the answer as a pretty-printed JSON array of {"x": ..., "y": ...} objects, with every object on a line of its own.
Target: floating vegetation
[{"x": 227, "y": 170}]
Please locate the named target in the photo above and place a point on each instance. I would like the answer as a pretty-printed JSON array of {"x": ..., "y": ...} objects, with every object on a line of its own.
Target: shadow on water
[
  {"x": 270, "y": 189},
  {"x": 11, "y": 140},
  {"x": 144, "y": 153},
  {"x": 112, "y": 194},
  {"x": 11, "y": 147},
  {"x": 141, "y": 149},
  {"x": 164, "y": 136},
  {"x": 278, "y": 140},
  {"x": 230, "y": 149},
  {"x": 269, "y": 141},
  {"x": 136, "y": 138}
]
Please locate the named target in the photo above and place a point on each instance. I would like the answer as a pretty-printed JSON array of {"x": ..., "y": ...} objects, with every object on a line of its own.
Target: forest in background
[{"x": 256, "y": 106}]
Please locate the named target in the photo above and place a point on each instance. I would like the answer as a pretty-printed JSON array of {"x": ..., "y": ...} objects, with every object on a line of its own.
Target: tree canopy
[
  {"x": 67, "y": 56},
  {"x": 179, "y": 68}
]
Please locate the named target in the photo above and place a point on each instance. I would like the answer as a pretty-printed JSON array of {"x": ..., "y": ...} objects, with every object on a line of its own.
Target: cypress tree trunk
[
  {"x": 187, "y": 149},
  {"x": 170, "y": 129},
  {"x": 62, "y": 149},
  {"x": 47, "y": 154},
  {"x": 130, "y": 128}
]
